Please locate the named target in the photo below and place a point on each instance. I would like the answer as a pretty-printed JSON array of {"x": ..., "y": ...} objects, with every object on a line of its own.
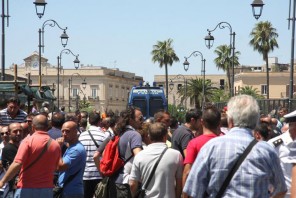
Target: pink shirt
[
  {"x": 195, "y": 145},
  {"x": 40, "y": 174}
]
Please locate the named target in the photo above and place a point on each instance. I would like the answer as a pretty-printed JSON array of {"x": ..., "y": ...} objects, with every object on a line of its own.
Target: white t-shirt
[{"x": 169, "y": 168}]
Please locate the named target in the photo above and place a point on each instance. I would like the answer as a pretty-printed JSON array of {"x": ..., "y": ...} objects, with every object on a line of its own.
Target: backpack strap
[
  {"x": 154, "y": 169},
  {"x": 93, "y": 139},
  {"x": 234, "y": 168},
  {"x": 40, "y": 155}
]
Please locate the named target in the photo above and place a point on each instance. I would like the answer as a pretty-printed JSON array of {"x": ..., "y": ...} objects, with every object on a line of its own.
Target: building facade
[{"x": 106, "y": 89}]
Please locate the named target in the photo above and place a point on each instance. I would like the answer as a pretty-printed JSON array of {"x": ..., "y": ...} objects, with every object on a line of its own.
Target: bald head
[
  {"x": 69, "y": 131},
  {"x": 40, "y": 123}
]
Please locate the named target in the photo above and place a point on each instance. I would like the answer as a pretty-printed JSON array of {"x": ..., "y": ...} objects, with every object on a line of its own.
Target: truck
[{"x": 149, "y": 99}]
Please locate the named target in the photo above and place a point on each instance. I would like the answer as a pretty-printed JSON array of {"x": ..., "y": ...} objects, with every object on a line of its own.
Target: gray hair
[{"x": 244, "y": 111}]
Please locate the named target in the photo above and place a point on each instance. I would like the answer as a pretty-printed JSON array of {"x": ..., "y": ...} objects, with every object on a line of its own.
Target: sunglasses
[
  {"x": 28, "y": 120},
  {"x": 5, "y": 133}
]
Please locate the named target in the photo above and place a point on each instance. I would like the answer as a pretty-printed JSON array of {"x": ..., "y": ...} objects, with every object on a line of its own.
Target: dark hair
[
  {"x": 193, "y": 113},
  {"x": 174, "y": 122},
  {"x": 94, "y": 118},
  {"x": 264, "y": 130},
  {"x": 124, "y": 119},
  {"x": 58, "y": 119},
  {"x": 211, "y": 117},
  {"x": 157, "y": 131},
  {"x": 84, "y": 112},
  {"x": 83, "y": 122},
  {"x": 71, "y": 117},
  {"x": 224, "y": 121},
  {"x": 14, "y": 100},
  {"x": 113, "y": 120},
  {"x": 160, "y": 114}
]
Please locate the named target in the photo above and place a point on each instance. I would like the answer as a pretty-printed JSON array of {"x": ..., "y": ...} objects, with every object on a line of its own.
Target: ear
[{"x": 230, "y": 123}]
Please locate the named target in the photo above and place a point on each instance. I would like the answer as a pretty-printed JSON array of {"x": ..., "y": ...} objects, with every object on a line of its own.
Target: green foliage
[
  {"x": 84, "y": 105},
  {"x": 164, "y": 54},
  {"x": 177, "y": 111},
  {"x": 194, "y": 91},
  {"x": 249, "y": 90},
  {"x": 220, "y": 95},
  {"x": 264, "y": 41},
  {"x": 224, "y": 60}
]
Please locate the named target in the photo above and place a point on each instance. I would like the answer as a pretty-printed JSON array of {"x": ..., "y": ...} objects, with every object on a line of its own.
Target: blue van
[{"x": 149, "y": 99}]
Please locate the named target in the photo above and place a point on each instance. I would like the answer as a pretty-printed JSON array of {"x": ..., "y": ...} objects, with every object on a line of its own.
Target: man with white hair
[{"x": 217, "y": 158}]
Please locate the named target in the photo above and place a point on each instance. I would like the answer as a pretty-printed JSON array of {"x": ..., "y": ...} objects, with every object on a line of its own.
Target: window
[
  {"x": 179, "y": 86},
  {"x": 75, "y": 92},
  {"x": 263, "y": 89},
  {"x": 122, "y": 92},
  {"x": 93, "y": 92},
  {"x": 110, "y": 90}
]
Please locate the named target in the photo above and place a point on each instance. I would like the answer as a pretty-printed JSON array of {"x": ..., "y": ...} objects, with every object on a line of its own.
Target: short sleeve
[
  {"x": 185, "y": 139},
  {"x": 180, "y": 167},
  {"x": 136, "y": 141},
  {"x": 135, "y": 172},
  {"x": 191, "y": 153},
  {"x": 22, "y": 152},
  {"x": 71, "y": 156}
]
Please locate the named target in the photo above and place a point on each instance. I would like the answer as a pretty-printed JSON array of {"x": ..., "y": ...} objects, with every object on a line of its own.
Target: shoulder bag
[
  {"x": 142, "y": 192},
  {"x": 93, "y": 139},
  {"x": 58, "y": 191},
  {"x": 234, "y": 169}
]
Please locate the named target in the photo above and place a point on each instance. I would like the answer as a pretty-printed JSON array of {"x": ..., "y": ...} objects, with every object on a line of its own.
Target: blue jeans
[{"x": 33, "y": 192}]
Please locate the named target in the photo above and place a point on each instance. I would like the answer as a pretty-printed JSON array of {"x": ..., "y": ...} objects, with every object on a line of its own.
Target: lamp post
[
  {"x": 76, "y": 65},
  {"x": 209, "y": 40},
  {"x": 70, "y": 86},
  {"x": 40, "y": 7},
  {"x": 64, "y": 41},
  {"x": 258, "y": 4},
  {"x": 203, "y": 72},
  {"x": 171, "y": 85}
]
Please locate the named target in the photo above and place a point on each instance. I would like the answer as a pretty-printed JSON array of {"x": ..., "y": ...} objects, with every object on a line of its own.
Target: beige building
[
  {"x": 105, "y": 89},
  {"x": 176, "y": 81}
]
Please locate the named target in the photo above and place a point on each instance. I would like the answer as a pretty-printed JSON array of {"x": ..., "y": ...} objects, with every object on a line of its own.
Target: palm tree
[
  {"x": 249, "y": 90},
  {"x": 194, "y": 91},
  {"x": 224, "y": 60},
  {"x": 165, "y": 55},
  {"x": 264, "y": 41}
]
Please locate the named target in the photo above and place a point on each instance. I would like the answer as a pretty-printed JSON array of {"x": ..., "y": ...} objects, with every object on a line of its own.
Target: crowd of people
[{"x": 229, "y": 152}]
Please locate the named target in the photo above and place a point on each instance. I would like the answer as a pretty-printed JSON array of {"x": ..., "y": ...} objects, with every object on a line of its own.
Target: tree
[
  {"x": 224, "y": 60},
  {"x": 249, "y": 90},
  {"x": 165, "y": 55},
  {"x": 194, "y": 91},
  {"x": 264, "y": 41}
]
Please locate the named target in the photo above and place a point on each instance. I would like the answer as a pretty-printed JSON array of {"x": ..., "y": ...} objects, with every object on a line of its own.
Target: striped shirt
[
  {"x": 91, "y": 172},
  {"x": 260, "y": 169},
  {"x": 6, "y": 119}
]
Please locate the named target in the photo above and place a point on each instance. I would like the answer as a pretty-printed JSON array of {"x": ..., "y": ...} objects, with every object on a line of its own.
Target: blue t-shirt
[{"x": 75, "y": 158}]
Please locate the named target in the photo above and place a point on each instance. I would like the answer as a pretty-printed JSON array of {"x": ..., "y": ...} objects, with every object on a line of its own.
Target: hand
[
  {"x": 1, "y": 184},
  {"x": 60, "y": 141},
  {"x": 97, "y": 155}
]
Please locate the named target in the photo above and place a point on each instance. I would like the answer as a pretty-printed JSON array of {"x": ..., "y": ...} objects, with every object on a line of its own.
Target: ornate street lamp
[
  {"x": 209, "y": 40},
  {"x": 203, "y": 71},
  {"x": 76, "y": 65},
  {"x": 257, "y": 7},
  {"x": 40, "y": 7},
  {"x": 64, "y": 40},
  {"x": 70, "y": 87}
]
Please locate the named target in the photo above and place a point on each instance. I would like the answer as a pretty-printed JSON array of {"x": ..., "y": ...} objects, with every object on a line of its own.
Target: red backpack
[{"x": 111, "y": 161}]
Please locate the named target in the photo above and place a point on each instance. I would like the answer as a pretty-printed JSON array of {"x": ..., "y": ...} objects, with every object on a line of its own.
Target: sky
[{"x": 121, "y": 34}]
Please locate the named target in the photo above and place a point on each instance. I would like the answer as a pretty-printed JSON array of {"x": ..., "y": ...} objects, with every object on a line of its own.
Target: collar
[
  {"x": 157, "y": 144},
  {"x": 129, "y": 127},
  {"x": 246, "y": 131}
]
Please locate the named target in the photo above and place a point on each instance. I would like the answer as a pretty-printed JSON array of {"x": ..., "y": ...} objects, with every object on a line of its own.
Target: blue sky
[{"x": 121, "y": 33}]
